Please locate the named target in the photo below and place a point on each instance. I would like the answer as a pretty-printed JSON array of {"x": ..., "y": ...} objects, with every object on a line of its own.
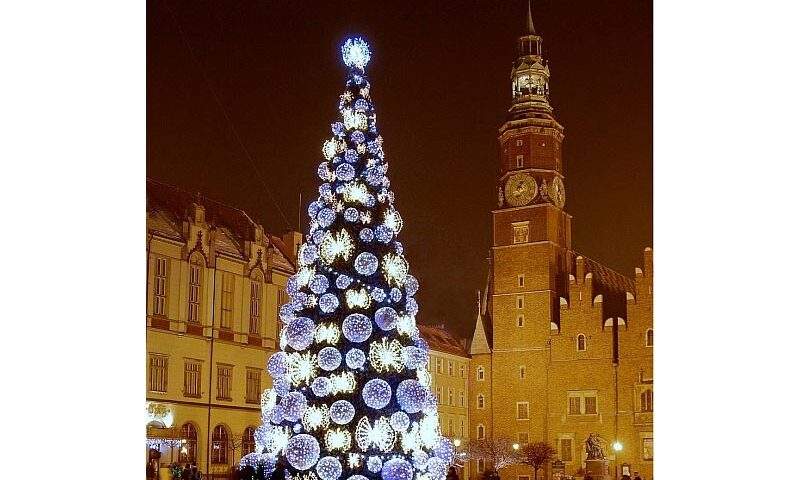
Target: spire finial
[{"x": 531, "y": 30}]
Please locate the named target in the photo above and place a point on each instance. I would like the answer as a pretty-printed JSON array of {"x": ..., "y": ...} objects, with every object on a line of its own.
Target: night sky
[{"x": 241, "y": 95}]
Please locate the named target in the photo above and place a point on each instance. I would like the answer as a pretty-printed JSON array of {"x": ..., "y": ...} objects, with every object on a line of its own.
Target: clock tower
[
  {"x": 529, "y": 254},
  {"x": 531, "y": 231}
]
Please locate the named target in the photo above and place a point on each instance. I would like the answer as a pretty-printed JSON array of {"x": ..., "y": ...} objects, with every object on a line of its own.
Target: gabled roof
[
  {"x": 441, "y": 340},
  {"x": 169, "y": 206},
  {"x": 607, "y": 279}
]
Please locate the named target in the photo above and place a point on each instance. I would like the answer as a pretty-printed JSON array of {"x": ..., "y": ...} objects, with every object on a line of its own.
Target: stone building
[
  {"x": 562, "y": 345},
  {"x": 215, "y": 281}
]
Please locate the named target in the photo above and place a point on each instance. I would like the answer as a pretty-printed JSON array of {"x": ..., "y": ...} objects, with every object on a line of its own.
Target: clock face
[
  {"x": 520, "y": 189},
  {"x": 557, "y": 192}
]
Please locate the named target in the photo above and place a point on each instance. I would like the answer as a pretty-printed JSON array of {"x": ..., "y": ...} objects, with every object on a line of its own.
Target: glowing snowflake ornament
[
  {"x": 385, "y": 356},
  {"x": 355, "y": 53}
]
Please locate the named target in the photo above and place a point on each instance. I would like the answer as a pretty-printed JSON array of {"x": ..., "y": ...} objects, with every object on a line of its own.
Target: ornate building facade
[
  {"x": 562, "y": 345},
  {"x": 215, "y": 281}
]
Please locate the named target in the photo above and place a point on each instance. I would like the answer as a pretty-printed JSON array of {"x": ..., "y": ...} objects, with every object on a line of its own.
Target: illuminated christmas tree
[{"x": 351, "y": 392}]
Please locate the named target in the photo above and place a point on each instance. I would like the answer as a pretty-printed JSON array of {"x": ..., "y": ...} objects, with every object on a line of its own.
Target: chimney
[
  {"x": 197, "y": 213},
  {"x": 293, "y": 240},
  {"x": 648, "y": 262},
  {"x": 580, "y": 269}
]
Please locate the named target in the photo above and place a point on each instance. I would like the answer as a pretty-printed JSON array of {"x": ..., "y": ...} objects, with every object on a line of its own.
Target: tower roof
[{"x": 530, "y": 29}]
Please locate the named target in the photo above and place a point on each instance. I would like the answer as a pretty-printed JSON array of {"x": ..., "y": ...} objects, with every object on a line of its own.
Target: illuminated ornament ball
[
  {"x": 342, "y": 412},
  {"x": 321, "y": 386},
  {"x": 300, "y": 332},
  {"x": 411, "y": 396},
  {"x": 355, "y": 53},
  {"x": 366, "y": 263},
  {"x": 377, "y": 393},
  {"x": 400, "y": 421},
  {"x": 437, "y": 468},
  {"x": 302, "y": 451},
  {"x": 278, "y": 364},
  {"x": 445, "y": 450},
  {"x": 294, "y": 404},
  {"x": 420, "y": 459},
  {"x": 397, "y": 469},
  {"x": 355, "y": 358},
  {"x": 386, "y": 318},
  {"x": 374, "y": 464},
  {"x": 329, "y": 468},
  {"x": 357, "y": 327},
  {"x": 329, "y": 359}
]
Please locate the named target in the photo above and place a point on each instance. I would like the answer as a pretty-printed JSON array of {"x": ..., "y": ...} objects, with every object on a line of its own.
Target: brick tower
[
  {"x": 530, "y": 245},
  {"x": 562, "y": 346}
]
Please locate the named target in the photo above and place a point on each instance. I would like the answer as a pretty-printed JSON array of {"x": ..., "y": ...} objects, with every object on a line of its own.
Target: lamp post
[{"x": 617, "y": 447}]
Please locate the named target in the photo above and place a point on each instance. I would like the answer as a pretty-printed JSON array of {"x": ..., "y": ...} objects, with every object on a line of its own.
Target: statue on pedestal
[{"x": 594, "y": 449}]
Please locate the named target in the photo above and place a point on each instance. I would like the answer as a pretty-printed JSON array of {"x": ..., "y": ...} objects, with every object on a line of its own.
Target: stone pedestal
[{"x": 598, "y": 469}]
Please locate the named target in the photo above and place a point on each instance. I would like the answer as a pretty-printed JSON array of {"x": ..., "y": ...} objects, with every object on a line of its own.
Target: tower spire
[{"x": 531, "y": 30}]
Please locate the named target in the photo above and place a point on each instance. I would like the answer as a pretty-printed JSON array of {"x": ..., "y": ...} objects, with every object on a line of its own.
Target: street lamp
[
  {"x": 617, "y": 446},
  {"x": 515, "y": 446},
  {"x": 457, "y": 442}
]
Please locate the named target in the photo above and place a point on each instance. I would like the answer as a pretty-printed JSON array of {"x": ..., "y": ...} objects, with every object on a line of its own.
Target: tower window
[
  {"x": 480, "y": 373},
  {"x": 520, "y": 320},
  {"x": 480, "y": 432},
  {"x": 522, "y": 372},
  {"x": 519, "y": 143},
  {"x": 648, "y": 338},
  {"x": 520, "y": 280},
  {"x": 646, "y": 399},
  {"x": 520, "y": 161},
  {"x": 481, "y": 401},
  {"x": 520, "y": 301},
  {"x": 523, "y": 411},
  {"x": 581, "y": 343}
]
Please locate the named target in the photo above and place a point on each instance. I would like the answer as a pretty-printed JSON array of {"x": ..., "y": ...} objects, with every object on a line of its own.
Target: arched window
[
  {"x": 481, "y": 401},
  {"x": 481, "y": 373},
  {"x": 256, "y": 289},
  {"x": 481, "y": 432},
  {"x": 648, "y": 338},
  {"x": 219, "y": 445},
  {"x": 189, "y": 448},
  {"x": 647, "y": 400},
  {"x": 248, "y": 441},
  {"x": 481, "y": 465},
  {"x": 196, "y": 264},
  {"x": 581, "y": 342}
]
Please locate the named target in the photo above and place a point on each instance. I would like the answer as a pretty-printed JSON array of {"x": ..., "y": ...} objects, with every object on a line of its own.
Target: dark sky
[{"x": 440, "y": 82}]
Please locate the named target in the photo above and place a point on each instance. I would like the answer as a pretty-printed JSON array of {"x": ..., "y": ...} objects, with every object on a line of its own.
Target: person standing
[
  {"x": 636, "y": 476},
  {"x": 452, "y": 474}
]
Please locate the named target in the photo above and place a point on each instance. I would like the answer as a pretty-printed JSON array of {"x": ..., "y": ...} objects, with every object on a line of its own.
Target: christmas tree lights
[{"x": 350, "y": 396}]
